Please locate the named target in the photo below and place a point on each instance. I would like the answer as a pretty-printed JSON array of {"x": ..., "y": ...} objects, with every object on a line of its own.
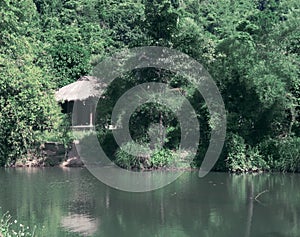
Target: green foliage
[
  {"x": 163, "y": 158},
  {"x": 60, "y": 132},
  {"x": 27, "y": 104},
  {"x": 289, "y": 153},
  {"x": 251, "y": 49},
  {"x": 9, "y": 228},
  {"x": 126, "y": 159},
  {"x": 70, "y": 62},
  {"x": 243, "y": 158},
  {"x": 257, "y": 71},
  {"x": 123, "y": 19},
  {"x": 159, "y": 158},
  {"x": 27, "y": 108},
  {"x": 283, "y": 154},
  {"x": 161, "y": 19}
]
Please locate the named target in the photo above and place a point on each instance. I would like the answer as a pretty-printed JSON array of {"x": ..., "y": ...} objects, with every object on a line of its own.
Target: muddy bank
[{"x": 52, "y": 154}]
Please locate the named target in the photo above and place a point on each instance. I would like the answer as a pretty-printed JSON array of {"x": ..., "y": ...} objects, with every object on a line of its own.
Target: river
[{"x": 72, "y": 202}]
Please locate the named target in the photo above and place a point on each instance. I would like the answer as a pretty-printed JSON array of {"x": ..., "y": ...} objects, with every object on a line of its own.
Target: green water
[{"x": 71, "y": 202}]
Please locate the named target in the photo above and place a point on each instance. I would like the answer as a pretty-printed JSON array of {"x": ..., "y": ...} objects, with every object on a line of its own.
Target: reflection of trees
[
  {"x": 250, "y": 208},
  {"x": 270, "y": 201},
  {"x": 216, "y": 205},
  {"x": 36, "y": 194},
  {"x": 187, "y": 206}
]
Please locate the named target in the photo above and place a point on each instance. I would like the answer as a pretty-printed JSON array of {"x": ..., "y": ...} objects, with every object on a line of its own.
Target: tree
[
  {"x": 161, "y": 20},
  {"x": 27, "y": 104}
]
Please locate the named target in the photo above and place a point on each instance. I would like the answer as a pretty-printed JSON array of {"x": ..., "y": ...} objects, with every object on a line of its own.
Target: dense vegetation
[{"x": 250, "y": 47}]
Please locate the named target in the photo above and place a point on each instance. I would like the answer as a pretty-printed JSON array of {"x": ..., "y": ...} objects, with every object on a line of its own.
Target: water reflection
[
  {"x": 73, "y": 203},
  {"x": 79, "y": 223}
]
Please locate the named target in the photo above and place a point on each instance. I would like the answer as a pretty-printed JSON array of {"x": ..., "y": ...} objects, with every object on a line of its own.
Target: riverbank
[
  {"x": 46, "y": 162},
  {"x": 75, "y": 162},
  {"x": 51, "y": 154}
]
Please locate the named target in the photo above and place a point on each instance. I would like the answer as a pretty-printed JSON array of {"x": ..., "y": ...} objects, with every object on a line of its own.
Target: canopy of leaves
[{"x": 251, "y": 49}]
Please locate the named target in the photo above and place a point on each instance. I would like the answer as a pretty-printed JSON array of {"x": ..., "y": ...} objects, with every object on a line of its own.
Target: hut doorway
[{"x": 84, "y": 92}]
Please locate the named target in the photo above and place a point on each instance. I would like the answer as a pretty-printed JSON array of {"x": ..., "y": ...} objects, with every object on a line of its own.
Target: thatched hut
[{"x": 85, "y": 92}]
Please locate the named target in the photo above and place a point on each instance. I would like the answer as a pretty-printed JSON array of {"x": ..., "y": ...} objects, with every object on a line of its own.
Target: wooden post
[
  {"x": 91, "y": 114},
  {"x": 74, "y": 117}
]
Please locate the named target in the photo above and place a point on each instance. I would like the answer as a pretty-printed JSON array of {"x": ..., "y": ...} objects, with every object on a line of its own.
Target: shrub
[
  {"x": 9, "y": 228},
  {"x": 126, "y": 159},
  {"x": 146, "y": 159},
  {"x": 283, "y": 154},
  {"x": 242, "y": 157},
  {"x": 269, "y": 148},
  {"x": 60, "y": 132},
  {"x": 162, "y": 158},
  {"x": 289, "y": 152},
  {"x": 27, "y": 109}
]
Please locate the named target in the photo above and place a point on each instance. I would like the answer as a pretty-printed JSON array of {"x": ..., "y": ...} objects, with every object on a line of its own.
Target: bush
[
  {"x": 282, "y": 154},
  {"x": 162, "y": 158},
  {"x": 125, "y": 159},
  {"x": 60, "y": 132},
  {"x": 289, "y": 152},
  {"x": 269, "y": 148},
  {"x": 147, "y": 159},
  {"x": 242, "y": 157},
  {"x": 27, "y": 109}
]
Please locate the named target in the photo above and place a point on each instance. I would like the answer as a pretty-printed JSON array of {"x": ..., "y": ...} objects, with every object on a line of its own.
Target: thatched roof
[{"x": 86, "y": 87}]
